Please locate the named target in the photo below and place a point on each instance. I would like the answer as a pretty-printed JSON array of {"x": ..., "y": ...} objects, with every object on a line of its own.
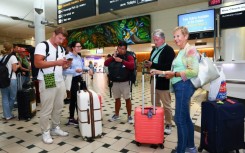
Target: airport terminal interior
[
  {"x": 221, "y": 39},
  {"x": 25, "y": 136}
]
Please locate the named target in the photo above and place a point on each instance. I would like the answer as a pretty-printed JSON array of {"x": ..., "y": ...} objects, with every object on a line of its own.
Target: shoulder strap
[
  {"x": 47, "y": 51},
  {"x": 62, "y": 49},
  {"x": 2, "y": 59},
  {"x": 47, "y": 47},
  {"x": 6, "y": 60}
]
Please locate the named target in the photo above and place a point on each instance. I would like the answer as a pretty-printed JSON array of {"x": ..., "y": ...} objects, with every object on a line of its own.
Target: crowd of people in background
[{"x": 65, "y": 69}]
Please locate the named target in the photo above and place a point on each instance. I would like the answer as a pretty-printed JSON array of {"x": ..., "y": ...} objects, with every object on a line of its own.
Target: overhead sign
[
  {"x": 112, "y": 5},
  {"x": 232, "y": 9},
  {"x": 70, "y": 10},
  {"x": 232, "y": 16}
]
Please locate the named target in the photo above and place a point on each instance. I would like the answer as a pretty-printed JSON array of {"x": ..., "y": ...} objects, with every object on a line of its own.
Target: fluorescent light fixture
[{"x": 15, "y": 18}]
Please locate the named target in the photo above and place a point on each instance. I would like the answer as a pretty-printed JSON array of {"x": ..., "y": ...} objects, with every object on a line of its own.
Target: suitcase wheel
[
  {"x": 161, "y": 146},
  {"x": 100, "y": 136},
  {"x": 199, "y": 149},
  {"x": 138, "y": 144}
]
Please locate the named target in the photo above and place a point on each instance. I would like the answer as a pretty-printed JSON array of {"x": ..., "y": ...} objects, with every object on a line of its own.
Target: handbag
[{"x": 207, "y": 72}]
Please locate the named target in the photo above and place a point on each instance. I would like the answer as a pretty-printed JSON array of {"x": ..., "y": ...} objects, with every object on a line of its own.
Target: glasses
[{"x": 78, "y": 46}]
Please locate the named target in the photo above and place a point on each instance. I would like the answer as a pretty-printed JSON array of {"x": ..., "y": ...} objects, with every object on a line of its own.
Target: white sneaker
[
  {"x": 168, "y": 129},
  {"x": 47, "y": 138},
  {"x": 57, "y": 131}
]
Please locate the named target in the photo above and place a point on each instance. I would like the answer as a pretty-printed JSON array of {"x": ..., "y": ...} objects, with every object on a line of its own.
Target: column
[{"x": 39, "y": 15}]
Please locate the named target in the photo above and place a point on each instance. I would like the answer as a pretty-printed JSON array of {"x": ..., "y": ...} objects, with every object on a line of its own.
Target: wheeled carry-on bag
[
  {"x": 89, "y": 113},
  {"x": 222, "y": 126},
  {"x": 26, "y": 100},
  {"x": 149, "y": 122}
]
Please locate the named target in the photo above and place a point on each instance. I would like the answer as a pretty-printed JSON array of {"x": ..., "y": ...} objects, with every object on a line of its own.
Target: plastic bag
[
  {"x": 218, "y": 90},
  {"x": 68, "y": 80}
]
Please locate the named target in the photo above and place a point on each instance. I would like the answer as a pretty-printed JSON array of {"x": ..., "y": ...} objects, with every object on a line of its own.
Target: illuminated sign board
[
  {"x": 112, "y": 5},
  {"x": 70, "y": 10}
]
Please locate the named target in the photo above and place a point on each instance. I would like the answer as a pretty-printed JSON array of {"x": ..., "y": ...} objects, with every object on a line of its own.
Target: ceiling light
[{"x": 15, "y": 18}]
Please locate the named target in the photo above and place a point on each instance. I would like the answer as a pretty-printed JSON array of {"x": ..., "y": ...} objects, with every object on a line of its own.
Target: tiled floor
[{"x": 24, "y": 136}]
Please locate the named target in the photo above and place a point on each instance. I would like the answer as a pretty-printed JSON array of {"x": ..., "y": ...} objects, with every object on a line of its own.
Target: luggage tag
[
  {"x": 220, "y": 102},
  {"x": 149, "y": 114}
]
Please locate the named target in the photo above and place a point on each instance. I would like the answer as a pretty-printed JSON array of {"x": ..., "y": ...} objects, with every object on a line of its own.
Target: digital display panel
[
  {"x": 112, "y": 5},
  {"x": 214, "y": 2},
  {"x": 198, "y": 21},
  {"x": 232, "y": 16},
  {"x": 70, "y": 10}
]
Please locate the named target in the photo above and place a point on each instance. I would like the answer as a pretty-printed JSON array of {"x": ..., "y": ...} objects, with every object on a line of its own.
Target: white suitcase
[{"x": 89, "y": 114}]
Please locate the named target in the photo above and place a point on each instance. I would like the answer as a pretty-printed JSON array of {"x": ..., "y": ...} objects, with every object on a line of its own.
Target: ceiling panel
[{"x": 16, "y": 31}]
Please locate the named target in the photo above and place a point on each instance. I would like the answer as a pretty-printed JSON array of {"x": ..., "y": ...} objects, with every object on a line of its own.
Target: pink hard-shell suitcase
[{"x": 149, "y": 122}]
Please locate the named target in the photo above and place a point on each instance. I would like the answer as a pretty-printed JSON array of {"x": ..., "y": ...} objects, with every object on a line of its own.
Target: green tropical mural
[{"x": 133, "y": 30}]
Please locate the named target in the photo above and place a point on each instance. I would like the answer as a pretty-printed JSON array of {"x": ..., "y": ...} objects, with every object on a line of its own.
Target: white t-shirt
[
  {"x": 41, "y": 50},
  {"x": 11, "y": 61}
]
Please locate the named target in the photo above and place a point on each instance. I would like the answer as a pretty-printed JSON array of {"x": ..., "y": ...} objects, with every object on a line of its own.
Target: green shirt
[{"x": 156, "y": 53}]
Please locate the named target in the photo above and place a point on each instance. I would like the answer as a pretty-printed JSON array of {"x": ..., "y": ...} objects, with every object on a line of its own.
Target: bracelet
[{"x": 175, "y": 74}]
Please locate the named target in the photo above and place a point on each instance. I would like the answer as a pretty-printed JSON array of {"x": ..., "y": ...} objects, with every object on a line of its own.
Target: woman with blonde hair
[
  {"x": 9, "y": 93},
  {"x": 184, "y": 67}
]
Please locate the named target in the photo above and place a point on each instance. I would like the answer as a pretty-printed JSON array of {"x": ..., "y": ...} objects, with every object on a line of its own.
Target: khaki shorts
[{"x": 121, "y": 88}]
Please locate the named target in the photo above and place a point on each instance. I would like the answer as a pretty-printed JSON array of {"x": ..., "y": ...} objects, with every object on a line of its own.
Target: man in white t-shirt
[{"x": 51, "y": 83}]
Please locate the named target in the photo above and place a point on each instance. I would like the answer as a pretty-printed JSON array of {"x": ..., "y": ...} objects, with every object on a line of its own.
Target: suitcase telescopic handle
[
  {"x": 143, "y": 92},
  {"x": 79, "y": 87},
  {"x": 19, "y": 81}
]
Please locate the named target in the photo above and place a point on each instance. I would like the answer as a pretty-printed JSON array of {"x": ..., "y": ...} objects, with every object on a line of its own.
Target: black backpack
[
  {"x": 4, "y": 72},
  {"x": 118, "y": 73},
  {"x": 133, "y": 74}
]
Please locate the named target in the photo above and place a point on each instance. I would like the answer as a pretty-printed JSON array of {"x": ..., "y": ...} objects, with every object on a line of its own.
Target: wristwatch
[{"x": 175, "y": 74}]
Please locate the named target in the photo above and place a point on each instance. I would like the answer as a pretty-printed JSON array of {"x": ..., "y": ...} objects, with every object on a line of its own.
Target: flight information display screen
[
  {"x": 112, "y": 5},
  {"x": 70, "y": 10}
]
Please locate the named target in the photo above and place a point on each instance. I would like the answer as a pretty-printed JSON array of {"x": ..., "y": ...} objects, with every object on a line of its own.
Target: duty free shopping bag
[{"x": 217, "y": 89}]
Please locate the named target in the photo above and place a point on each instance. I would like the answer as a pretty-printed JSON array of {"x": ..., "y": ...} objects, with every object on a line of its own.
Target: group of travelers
[
  {"x": 19, "y": 71},
  {"x": 172, "y": 72}
]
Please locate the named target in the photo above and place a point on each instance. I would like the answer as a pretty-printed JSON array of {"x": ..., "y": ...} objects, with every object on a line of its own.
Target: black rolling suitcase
[
  {"x": 26, "y": 100},
  {"x": 222, "y": 127}
]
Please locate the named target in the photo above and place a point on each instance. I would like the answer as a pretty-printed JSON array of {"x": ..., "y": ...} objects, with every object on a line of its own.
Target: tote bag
[{"x": 207, "y": 72}]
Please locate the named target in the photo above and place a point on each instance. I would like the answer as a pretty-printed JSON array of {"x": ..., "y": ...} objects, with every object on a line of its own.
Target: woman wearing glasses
[{"x": 76, "y": 69}]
